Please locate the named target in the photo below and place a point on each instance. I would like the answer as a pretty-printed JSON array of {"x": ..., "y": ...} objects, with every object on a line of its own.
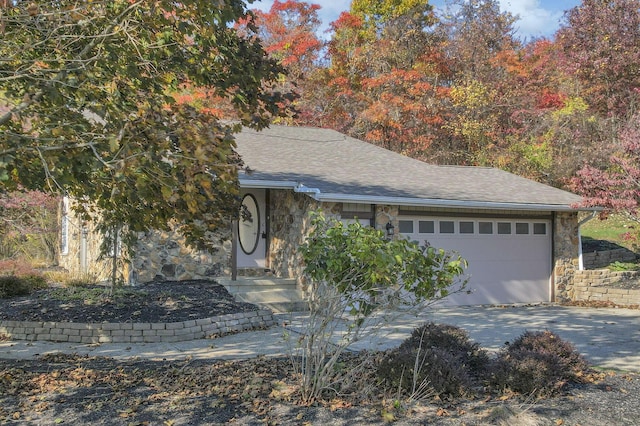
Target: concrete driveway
[{"x": 609, "y": 338}]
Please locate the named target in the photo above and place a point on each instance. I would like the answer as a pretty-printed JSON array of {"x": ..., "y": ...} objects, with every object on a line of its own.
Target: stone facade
[
  {"x": 290, "y": 222},
  {"x": 159, "y": 255},
  {"x": 80, "y": 248},
  {"x": 164, "y": 256},
  {"x": 565, "y": 254}
]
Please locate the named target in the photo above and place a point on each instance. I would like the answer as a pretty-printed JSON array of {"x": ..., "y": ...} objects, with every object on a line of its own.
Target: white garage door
[{"x": 509, "y": 260}]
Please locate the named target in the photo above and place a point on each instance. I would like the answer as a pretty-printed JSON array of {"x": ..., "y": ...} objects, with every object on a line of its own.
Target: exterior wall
[
  {"x": 290, "y": 222},
  {"x": 159, "y": 256},
  {"x": 385, "y": 215},
  {"x": 164, "y": 256},
  {"x": 83, "y": 241},
  {"x": 565, "y": 255},
  {"x": 607, "y": 286}
]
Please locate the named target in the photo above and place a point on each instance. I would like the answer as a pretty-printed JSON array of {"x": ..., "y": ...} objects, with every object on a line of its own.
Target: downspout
[{"x": 582, "y": 222}]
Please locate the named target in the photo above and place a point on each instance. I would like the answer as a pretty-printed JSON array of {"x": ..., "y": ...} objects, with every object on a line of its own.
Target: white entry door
[
  {"x": 252, "y": 243},
  {"x": 509, "y": 259}
]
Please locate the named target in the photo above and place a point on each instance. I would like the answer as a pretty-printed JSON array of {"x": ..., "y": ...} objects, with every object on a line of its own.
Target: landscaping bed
[{"x": 73, "y": 389}]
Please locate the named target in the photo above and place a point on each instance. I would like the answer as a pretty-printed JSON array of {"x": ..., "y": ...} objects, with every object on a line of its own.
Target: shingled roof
[{"x": 330, "y": 166}]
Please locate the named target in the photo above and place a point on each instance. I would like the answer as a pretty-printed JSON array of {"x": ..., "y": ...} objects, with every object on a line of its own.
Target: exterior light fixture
[{"x": 390, "y": 228}]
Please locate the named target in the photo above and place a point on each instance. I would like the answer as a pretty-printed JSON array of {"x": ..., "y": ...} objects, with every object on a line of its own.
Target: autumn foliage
[{"x": 461, "y": 87}]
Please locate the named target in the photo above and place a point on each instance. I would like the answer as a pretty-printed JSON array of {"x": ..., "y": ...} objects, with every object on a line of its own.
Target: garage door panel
[
  {"x": 512, "y": 268},
  {"x": 526, "y": 291}
]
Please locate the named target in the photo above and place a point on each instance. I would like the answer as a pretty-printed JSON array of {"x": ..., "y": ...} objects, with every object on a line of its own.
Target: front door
[{"x": 252, "y": 230}]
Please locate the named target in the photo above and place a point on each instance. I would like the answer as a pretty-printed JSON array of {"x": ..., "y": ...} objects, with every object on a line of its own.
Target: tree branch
[{"x": 36, "y": 96}]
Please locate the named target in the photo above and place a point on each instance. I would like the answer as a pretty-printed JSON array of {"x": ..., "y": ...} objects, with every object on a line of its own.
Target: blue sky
[{"x": 537, "y": 17}]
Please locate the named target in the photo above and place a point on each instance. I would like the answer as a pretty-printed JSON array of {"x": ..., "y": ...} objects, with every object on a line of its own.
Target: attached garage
[{"x": 509, "y": 258}]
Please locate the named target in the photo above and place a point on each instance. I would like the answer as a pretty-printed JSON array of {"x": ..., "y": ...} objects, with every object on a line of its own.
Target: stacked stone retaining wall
[
  {"x": 599, "y": 259},
  {"x": 603, "y": 285},
  {"x": 137, "y": 332}
]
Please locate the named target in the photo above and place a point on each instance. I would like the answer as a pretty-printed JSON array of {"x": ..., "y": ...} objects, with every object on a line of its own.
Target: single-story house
[{"x": 520, "y": 237}]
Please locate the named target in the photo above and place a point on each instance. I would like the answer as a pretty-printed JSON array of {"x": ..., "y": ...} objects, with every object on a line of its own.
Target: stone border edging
[{"x": 136, "y": 332}]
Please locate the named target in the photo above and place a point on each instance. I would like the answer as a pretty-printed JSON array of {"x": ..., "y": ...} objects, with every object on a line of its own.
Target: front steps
[{"x": 277, "y": 294}]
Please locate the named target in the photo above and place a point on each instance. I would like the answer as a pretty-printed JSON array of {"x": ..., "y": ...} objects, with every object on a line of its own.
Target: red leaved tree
[{"x": 616, "y": 188}]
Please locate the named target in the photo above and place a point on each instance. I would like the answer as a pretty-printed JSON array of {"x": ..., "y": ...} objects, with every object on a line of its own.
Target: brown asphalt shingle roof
[{"x": 335, "y": 167}]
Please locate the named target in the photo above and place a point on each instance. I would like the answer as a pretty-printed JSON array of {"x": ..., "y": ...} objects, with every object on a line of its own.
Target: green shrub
[
  {"x": 624, "y": 266},
  {"x": 538, "y": 363},
  {"x": 19, "y": 278},
  {"x": 12, "y": 286},
  {"x": 438, "y": 355}
]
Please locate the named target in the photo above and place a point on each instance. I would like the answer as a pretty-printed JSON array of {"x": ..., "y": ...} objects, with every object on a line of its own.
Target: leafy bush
[
  {"x": 438, "y": 355},
  {"x": 538, "y": 363},
  {"x": 13, "y": 286},
  {"x": 358, "y": 282},
  {"x": 19, "y": 278},
  {"x": 624, "y": 266}
]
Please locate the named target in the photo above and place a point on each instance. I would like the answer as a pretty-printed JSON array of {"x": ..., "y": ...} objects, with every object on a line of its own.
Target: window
[
  {"x": 485, "y": 227},
  {"x": 249, "y": 225},
  {"x": 466, "y": 227},
  {"x": 406, "y": 226},
  {"x": 540, "y": 228},
  {"x": 522, "y": 228},
  {"x": 426, "y": 227},
  {"x": 446, "y": 227},
  {"x": 504, "y": 228},
  {"x": 64, "y": 227}
]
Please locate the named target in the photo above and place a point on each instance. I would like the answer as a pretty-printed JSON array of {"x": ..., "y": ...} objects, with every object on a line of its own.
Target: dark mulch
[{"x": 165, "y": 301}]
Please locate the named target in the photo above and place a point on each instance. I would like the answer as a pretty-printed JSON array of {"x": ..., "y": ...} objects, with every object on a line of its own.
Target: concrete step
[{"x": 277, "y": 294}]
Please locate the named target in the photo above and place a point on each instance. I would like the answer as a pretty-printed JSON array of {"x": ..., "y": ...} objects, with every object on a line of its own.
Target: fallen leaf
[{"x": 442, "y": 412}]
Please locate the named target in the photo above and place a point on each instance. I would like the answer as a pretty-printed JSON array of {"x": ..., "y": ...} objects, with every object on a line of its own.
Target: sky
[{"x": 538, "y": 18}]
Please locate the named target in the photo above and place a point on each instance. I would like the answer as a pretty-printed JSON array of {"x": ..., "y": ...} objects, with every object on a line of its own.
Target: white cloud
[{"x": 534, "y": 20}]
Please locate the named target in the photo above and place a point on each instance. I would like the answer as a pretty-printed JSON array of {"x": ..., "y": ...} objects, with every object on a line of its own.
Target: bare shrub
[{"x": 538, "y": 363}]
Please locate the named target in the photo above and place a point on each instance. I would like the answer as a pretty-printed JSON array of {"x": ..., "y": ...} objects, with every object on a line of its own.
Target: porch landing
[{"x": 277, "y": 294}]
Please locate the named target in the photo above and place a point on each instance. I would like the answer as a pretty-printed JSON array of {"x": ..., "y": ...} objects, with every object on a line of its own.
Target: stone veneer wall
[
  {"x": 164, "y": 256},
  {"x": 290, "y": 222},
  {"x": 565, "y": 253},
  {"x": 77, "y": 229},
  {"x": 599, "y": 285},
  {"x": 137, "y": 332},
  {"x": 386, "y": 214}
]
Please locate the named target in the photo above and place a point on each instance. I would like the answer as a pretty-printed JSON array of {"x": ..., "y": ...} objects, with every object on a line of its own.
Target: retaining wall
[
  {"x": 599, "y": 259},
  {"x": 600, "y": 285},
  {"x": 137, "y": 332}
]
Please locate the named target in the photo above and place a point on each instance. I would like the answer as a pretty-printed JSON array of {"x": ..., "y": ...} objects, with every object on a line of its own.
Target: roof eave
[
  {"x": 458, "y": 204},
  {"x": 316, "y": 194}
]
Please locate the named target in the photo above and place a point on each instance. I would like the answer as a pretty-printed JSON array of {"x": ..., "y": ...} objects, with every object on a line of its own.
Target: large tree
[
  {"x": 86, "y": 91},
  {"x": 602, "y": 40},
  {"x": 617, "y": 186}
]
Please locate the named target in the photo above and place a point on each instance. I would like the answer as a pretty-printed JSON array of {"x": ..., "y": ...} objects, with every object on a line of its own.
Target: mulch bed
[
  {"x": 166, "y": 301},
  {"x": 72, "y": 389}
]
